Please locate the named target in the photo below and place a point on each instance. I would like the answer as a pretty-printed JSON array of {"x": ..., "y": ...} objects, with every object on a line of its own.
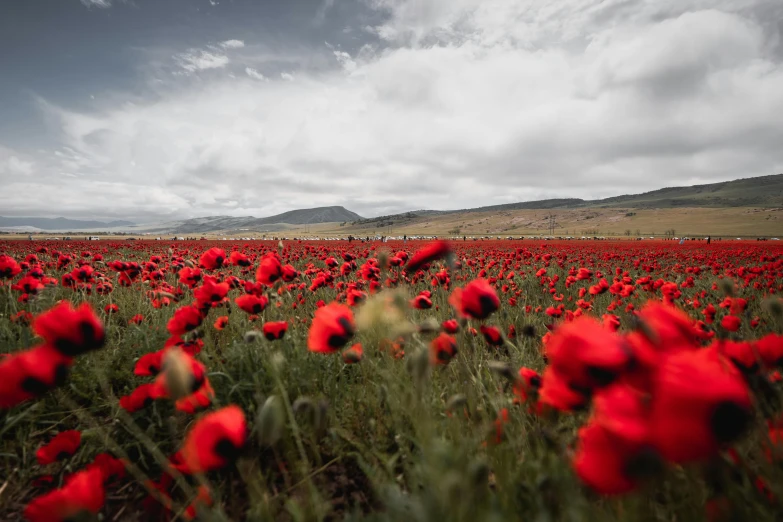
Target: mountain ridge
[{"x": 60, "y": 223}]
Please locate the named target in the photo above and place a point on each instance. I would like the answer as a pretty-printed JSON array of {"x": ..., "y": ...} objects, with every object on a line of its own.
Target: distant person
[{"x": 708, "y": 239}]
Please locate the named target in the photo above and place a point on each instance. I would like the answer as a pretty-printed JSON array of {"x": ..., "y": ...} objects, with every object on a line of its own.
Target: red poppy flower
[
  {"x": 237, "y": 258},
  {"x": 421, "y": 302},
  {"x": 556, "y": 393},
  {"x": 700, "y": 403},
  {"x": 192, "y": 347},
  {"x": 527, "y": 383},
  {"x": 614, "y": 452},
  {"x": 139, "y": 398},
  {"x": 611, "y": 322},
  {"x": 476, "y": 300},
  {"x": 355, "y": 297},
  {"x": 442, "y": 349},
  {"x": 196, "y": 374},
  {"x": 210, "y": 293},
  {"x": 730, "y": 323},
  {"x": 770, "y": 349},
  {"x": 353, "y": 355},
  {"x": 289, "y": 273},
  {"x": 212, "y": 259},
  {"x": 221, "y": 322},
  {"x": 63, "y": 445},
  {"x": 586, "y": 354},
  {"x": 450, "y": 326},
  {"x": 215, "y": 440},
  {"x": 274, "y": 330},
  {"x": 492, "y": 335},
  {"x": 190, "y": 277},
  {"x": 269, "y": 270},
  {"x": 333, "y": 326},
  {"x": 28, "y": 285},
  {"x": 111, "y": 467},
  {"x": 136, "y": 319},
  {"x": 198, "y": 400},
  {"x": 429, "y": 253},
  {"x": 83, "y": 492},
  {"x": 252, "y": 304},
  {"x": 70, "y": 331},
  {"x": 31, "y": 373},
  {"x": 185, "y": 319},
  {"x": 111, "y": 308},
  {"x": 9, "y": 268}
]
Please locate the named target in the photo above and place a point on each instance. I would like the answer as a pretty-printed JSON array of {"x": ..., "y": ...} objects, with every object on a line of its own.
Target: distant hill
[
  {"x": 762, "y": 192},
  {"x": 307, "y": 216},
  {"x": 59, "y": 223}
]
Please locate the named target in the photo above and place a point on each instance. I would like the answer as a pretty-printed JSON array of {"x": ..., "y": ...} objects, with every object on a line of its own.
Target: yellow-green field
[{"x": 617, "y": 222}]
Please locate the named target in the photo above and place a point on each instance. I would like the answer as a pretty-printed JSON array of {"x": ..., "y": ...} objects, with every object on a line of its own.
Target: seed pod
[
  {"x": 456, "y": 401},
  {"x": 252, "y": 336},
  {"x": 270, "y": 421},
  {"x": 774, "y": 306},
  {"x": 419, "y": 366},
  {"x": 429, "y": 325},
  {"x": 305, "y": 407},
  {"x": 727, "y": 287},
  {"x": 503, "y": 369},
  {"x": 478, "y": 473},
  {"x": 177, "y": 374}
]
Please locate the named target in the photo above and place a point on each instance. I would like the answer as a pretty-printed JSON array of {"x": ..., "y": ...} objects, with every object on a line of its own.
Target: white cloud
[
  {"x": 232, "y": 44},
  {"x": 200, "y": 60},
  {"x": 12, "y": 165},
  {"x": 254, "y": 74},
  {"x": 97, "y": 3},
  {"x": 470, "y": 103},
  {"x": 345, "y": 60}
]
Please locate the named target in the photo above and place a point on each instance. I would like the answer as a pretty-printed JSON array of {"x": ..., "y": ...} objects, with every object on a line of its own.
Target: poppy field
[{"x": 417, "y": 381}]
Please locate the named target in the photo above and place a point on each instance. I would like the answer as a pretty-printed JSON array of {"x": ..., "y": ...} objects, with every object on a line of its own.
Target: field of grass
[
  {"x": 531, "y": 410},
  {"x": 728, "y": 222},
  {"x": 698, "y": 222}
]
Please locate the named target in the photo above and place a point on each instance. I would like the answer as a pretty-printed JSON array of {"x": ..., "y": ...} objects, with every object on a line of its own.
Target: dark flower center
[{"x": 728, "y": 421}]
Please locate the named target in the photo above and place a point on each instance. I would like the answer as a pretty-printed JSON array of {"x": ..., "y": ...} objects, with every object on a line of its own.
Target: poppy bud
[
  {"x": 429, "y": 325},
  {"x": 503, "y": 369},
  {"x": 453, "y": 489},
  {"x": 774, "y": 306},
  {"x": 419, "y": 366},
  {"x": 252, "y": 336},
  {"x": 456, "y": 401},
  {"x": 177, "y": 374},
  {"x": 305, "y": 406},
  {"x": 478, "y": 472},
  {"x": 278, "y": 361},
  {"x": 529, "y": 330},
  {"x": 270, "y": 421},
  {"x": 383, "y": 260}
]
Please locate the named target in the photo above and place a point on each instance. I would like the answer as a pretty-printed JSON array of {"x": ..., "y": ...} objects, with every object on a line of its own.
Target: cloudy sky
[{"x": 163, "y": 109}]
